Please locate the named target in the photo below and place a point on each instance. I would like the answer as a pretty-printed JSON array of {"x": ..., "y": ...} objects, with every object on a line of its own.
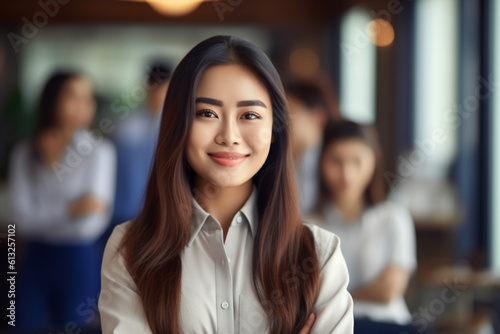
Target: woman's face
[
  {"x": 75, "y": 104},
  {"x": 347, "y": 167},
  {"x": 231, "y": 133}
]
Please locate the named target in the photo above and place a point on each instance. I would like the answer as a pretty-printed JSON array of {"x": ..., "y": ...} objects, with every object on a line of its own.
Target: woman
[
  {"x": 377, "y": 236},
  {"x": 62, "y": 188},
  {"x": 219, "y": 246}
]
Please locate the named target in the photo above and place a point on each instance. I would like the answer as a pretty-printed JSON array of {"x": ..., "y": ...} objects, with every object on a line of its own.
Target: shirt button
[
  {"x": 223, "y": 262},
  {"x": 224, "y": 305},
  {"x": 238, "y": 219}
]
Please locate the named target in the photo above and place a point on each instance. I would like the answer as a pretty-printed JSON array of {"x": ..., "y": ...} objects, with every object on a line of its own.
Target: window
[
  {"x": 436, "y": 50},
  {"x": 357, "y": 67},
  {"x": 494, "y": 153}
]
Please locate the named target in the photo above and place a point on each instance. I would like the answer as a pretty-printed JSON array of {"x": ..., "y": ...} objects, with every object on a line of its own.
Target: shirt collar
[{"x": 200, "y": 216}]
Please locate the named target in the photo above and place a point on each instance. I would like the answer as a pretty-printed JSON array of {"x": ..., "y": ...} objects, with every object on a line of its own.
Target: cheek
[
  {"x": 258, "y": 139},
  {"x": 199, "y": 138},
  {"x": 64, "y": 111},
  {"x": 331, "y": 173},
  {"x": 366, "y": 172},
  {"x": 194, "y": 142},
  {"x": 87, "y": 112},
  {"x": 90, "y": 106}
]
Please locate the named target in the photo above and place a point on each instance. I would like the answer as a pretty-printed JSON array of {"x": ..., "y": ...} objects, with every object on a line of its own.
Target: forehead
[
  {"x": 348, "y": 147},
  {"x": 77, "y": 83},
  {"x": 231, "y": 82}
]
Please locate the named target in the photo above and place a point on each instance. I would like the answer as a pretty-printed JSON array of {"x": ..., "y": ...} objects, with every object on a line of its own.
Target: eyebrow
[
  {"x": 209, "y": 101},
  {"x": 249, "y": 103},
  {"x": 246, "y": 103}
]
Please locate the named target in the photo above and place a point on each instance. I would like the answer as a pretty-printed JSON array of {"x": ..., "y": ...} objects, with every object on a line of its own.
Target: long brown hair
[
  {"x": 155, "y": 240},
  {"x": 337, "y": 130}
]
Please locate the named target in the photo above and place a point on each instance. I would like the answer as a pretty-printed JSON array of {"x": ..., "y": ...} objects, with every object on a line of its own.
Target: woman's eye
[
  {"x": 206, "y": 113},
  {"x": 251, "y": 115}
]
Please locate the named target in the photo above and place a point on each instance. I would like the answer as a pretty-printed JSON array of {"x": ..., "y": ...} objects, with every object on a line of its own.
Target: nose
[
  {"x": 346, "y": 173},
  {"x": 228, "y": 133}
]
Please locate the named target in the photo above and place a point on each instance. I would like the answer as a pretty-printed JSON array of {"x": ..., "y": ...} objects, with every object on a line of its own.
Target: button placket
[{"x": 224, "y": 286}]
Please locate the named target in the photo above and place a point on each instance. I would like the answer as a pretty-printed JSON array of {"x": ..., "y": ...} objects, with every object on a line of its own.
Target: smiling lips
[{"x": 228, "y": 159}]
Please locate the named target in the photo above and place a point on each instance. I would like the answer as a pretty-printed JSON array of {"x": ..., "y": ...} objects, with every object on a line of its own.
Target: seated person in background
[{"x": 377, "y": 236}]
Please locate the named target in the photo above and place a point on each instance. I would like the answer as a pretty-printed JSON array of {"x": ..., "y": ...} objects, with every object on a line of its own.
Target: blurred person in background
[
  {"x": 135, "y": 139},
  {"x": 311, "y": 103},
  {"x": 61, "y": 185},
  {"x": 377, "y": 236}
]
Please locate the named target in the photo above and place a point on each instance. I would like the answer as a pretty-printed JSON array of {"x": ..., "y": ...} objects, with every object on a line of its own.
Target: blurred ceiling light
[
  {"x": 172, "y": 7},
  {"x": 381, "y": 32},
  {"x": 304, "y": 62}
]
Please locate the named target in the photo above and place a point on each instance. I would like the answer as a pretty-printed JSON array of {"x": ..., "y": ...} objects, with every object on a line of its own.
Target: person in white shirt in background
[
  {"x": 378, "y": 237},
  {"x": 61, "y": 185},
  {"x": 219, "y": 246}
]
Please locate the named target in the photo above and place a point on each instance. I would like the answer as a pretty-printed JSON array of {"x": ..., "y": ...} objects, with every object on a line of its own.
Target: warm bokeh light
[
  {"x": 173, "y": 7},
  {"x": 304, "y": 62},
  {"x": 381, "y": 32}
]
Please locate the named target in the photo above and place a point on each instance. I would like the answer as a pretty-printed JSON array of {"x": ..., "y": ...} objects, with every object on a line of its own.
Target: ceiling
[{"x": 267, "y": 12}]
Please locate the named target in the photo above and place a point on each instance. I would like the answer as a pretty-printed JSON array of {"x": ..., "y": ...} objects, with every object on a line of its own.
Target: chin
[
  {"x": 223, "y": 179},
  {"x": 229, "y": 183}
]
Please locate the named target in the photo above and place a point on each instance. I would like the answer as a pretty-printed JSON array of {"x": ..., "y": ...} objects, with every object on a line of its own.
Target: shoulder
[
  {"x": 315, "y": 219},
  {"x": 115, "y": 276},
  {"x": 19, "y": 166},
  {"x": 392, "y": 212},
  {"x": 123, "y": 227},
  {"x": 118, "y": 232},
  {"x": 106, "y": 146},
  {"x": 103, "y": 149},
  {"x": 113, "y": 260},
  {"x": 113, "y": 244},
  {"x": 21, "y": 150},
  {"x": 391, "y": 207},
  {"x": 326, "y": 242},
  {"x": 20, "y": 157}
]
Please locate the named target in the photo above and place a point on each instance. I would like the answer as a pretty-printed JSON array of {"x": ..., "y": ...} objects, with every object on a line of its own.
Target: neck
[
  {"x": 154, "y": 110},
  {"x": 223, "y": 202},
  {"x": 350, "y": 209},
  {"x": 67, "y": 133},
  {"x": 52, "y": 144}
]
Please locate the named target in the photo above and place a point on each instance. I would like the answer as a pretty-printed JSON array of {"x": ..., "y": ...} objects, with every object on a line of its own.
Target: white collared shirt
[{"x": 218, "y": 294}]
